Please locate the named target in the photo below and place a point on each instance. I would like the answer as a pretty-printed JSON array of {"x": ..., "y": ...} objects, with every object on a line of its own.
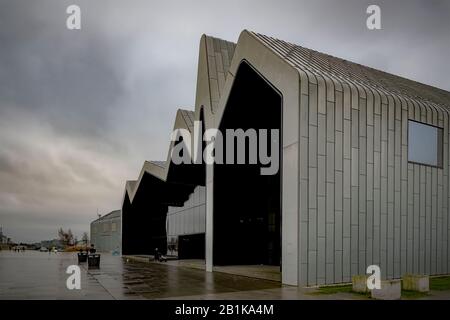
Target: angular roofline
[
  {"x": 216, "y": 57},
  {"x": 323, "y": 69},
  {"x": 106, "y": 216},
  {"x": 217, "y": 52}
]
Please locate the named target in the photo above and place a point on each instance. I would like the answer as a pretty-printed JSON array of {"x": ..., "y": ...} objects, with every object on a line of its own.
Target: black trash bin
[
  {"x": 93, "y": 261},
  {"x": 82, "y": 257}
]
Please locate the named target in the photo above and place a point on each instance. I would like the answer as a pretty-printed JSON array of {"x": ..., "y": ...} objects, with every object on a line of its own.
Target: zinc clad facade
[
  {"x": 350, "y": 197},
  {"x": 186, "y": 220},
  {"x": 361, "y": 202}
]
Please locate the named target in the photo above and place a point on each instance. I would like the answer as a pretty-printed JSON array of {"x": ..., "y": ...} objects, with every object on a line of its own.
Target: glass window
[
  {"x": 424, "y": 144},
  {"x": 113, "y": 227}
]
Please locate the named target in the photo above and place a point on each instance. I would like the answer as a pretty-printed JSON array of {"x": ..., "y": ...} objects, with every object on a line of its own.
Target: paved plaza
[{"x": 40, "y": 275}]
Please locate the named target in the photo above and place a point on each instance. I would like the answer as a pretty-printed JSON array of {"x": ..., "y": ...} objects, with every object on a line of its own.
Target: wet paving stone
[
  {"x": 35, "y": 275},
  {"x": 39, "y": 275}
]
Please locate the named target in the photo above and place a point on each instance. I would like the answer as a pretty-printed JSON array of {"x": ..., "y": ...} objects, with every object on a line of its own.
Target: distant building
[
  {"x": 81, "y": 243},
  {"x": 52, "y": 243},
  {"x": 3, "y": 238},
  {"x": 106, "y": 233}
]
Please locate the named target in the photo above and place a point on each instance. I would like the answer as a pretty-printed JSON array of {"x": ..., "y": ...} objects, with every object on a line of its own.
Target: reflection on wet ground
[{"x": 40, "y": 275}]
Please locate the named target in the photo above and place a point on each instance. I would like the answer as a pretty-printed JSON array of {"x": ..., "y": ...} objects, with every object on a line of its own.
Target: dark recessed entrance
[
  {"x": 247, "y": 205},
  {"x": 144, "y": 221},
  {"x": 191, "y": 246}
]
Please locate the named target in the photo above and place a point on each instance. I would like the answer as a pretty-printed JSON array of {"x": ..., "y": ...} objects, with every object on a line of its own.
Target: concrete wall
[{"x": 106, "y": 234}]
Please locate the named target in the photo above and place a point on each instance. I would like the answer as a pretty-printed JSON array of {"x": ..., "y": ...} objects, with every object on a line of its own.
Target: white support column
[
  {"x": 289, "y": 225},
  {"x": 290, "y": 185},
  {"x": 209, "y": 217}
]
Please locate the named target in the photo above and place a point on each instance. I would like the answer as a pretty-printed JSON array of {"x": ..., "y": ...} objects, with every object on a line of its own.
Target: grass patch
[
  {"x": 440, "y": 283},
  {"x": 413, "y": 294},
  {"x": 436, "y": 283},
  {"x": 327, "y": 290},
  {"x": 334, "y": 289}
]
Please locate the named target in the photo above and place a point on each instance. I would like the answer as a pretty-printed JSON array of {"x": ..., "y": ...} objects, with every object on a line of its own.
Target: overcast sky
[{"x": 81, "y": 110}]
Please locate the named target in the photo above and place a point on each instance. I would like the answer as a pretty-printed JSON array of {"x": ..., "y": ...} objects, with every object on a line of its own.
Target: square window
[{"x": 424, "y": 144}]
